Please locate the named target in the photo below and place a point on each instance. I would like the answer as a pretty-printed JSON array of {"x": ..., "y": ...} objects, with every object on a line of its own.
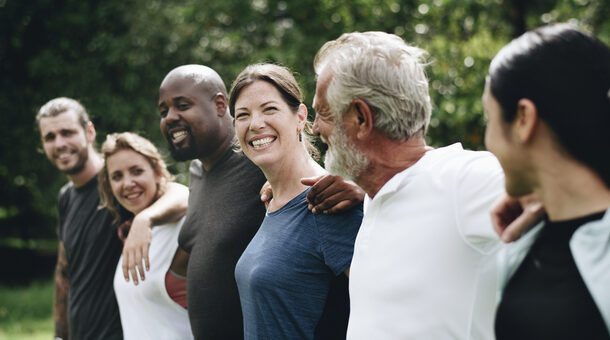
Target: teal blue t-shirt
[{"x": 287, "y": 271}]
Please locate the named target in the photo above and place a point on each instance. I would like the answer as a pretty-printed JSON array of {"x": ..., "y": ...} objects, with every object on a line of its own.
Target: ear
[
  {"x": 90, "y": 132},
  {"x": 220, "y": 101},
  {"x": 365, "y": 119},
  {"x": 526, "y": 121},
  {"x": 302, "y": 116}
]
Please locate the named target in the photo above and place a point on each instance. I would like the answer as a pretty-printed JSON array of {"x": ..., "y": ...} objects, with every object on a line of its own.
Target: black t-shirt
[
  {"x": 92, "y": 250},
  {"x": 547, "y": 297},
  {"x": 224, "y": 213}
]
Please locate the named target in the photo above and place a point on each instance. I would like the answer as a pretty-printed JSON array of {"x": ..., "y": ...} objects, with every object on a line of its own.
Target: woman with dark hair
[
  {"x": 547, "y": 99},
  {"x": 134, "y": 176},
  {"x": 291, "y": 276}
]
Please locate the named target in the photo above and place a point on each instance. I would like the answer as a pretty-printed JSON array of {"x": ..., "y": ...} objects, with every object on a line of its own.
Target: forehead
[
  {"x": 322, "y": 83},
  {"x": 178, "y": 85},
  {"x": 67, "y": 120},
  {"x": 259, "y": 92},
  {"x": 125, "y": 159}
]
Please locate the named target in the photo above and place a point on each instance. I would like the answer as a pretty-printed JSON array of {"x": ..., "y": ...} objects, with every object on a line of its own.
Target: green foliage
[
  {"x": 113, "y": 54},
  {"x": 27, "y": 312}
]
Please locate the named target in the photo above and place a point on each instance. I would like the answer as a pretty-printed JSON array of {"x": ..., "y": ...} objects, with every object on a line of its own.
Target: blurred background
[{"x": 112, "y": 55}]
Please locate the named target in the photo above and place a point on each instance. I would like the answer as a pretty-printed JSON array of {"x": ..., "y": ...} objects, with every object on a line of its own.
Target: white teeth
[
  {"x": 259, "y": 143},
  {"x": 177, "y": 134},
  {"x": 63, "y": 155},
  {"x": 130, "y": 196}
]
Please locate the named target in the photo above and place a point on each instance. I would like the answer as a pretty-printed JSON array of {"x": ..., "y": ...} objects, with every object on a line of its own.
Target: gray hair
[
  {"x": 386, "y": 73},
  {"x": 57, "y": 106}
]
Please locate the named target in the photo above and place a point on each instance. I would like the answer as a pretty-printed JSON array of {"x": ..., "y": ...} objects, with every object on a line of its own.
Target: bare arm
[
  {"x": 511, "y": 217},
  {"x": 169, "y": 207},
  {"x": 60, "y": 303}
]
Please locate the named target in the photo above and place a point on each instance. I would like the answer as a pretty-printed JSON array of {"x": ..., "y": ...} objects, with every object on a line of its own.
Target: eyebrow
[
  {"x": 175, "y": 99},
  {"x": 262, "y": 105}
]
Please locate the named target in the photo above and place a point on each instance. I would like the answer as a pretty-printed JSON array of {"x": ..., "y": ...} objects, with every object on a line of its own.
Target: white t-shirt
[
  {"x": 424, "y": 260},
  {"x": 147, "y": 310}
]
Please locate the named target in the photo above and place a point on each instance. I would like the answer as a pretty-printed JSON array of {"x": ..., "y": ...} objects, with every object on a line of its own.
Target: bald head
[{"x": 199, "y": 76}]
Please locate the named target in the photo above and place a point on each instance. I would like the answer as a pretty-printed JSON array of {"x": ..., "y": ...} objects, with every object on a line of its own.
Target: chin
[{"x": 182, "y": 154}]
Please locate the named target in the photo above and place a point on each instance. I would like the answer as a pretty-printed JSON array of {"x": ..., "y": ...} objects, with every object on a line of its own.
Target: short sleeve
[
  {"x": 479, "y": 183},
  {"x": 63, "y": 201},
  {"x": 337, "y": 233}
]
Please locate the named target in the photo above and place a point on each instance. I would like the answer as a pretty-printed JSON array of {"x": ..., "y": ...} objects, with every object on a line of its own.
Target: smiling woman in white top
[{"x": 134, "y": 176}]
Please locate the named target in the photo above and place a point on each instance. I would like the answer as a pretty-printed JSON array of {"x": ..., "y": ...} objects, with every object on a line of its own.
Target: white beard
[{"x": 342, "y": 158}]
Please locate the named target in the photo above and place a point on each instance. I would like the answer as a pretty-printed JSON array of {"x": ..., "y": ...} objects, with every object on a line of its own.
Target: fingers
[
  {"x": 266, "y": 193},
  {"x": 145, "y": 258},
  {"x": 339, "y": 207},
  {"x": 511, "y": 217},
  {"x": 310, "y": 180},
  {"x": 322, "y": 188},
  {"x": 125, "y": 266},
  {"x": 327, "y": 204}
]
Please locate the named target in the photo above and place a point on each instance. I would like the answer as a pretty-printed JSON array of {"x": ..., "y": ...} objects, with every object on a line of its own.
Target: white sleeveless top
[{"x": 147, "y": 311}]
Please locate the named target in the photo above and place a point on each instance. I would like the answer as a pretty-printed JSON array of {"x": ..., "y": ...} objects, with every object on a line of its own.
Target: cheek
[{"x": 116, "y": 188}]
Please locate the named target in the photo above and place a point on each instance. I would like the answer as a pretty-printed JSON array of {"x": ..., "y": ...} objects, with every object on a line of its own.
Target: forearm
[
  {"x": 168, "y": 208},
  {"x": 60, "y": 302}
]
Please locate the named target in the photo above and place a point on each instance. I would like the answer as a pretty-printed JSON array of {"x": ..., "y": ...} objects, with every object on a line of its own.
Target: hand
[
  {"x": 331, "y": 194},
  {"x": 511, "y": 217},
  {"x": 135, "y": 250},
  {"x": 266, "y": 194},
  {"x": 123, "y": 230}
]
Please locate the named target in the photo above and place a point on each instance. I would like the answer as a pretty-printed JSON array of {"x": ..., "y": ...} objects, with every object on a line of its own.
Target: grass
[{"x": 27, "y": 312}]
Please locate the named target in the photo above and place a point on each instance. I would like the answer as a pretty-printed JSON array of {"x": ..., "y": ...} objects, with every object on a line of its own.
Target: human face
[
  {"x": 189, "y": 118},
  {"x": 342, "y": 157},
  {"x": 65, "y": 142},
  {"x": 267, "y": 128},
  {"x": 132, "y": 179},
  {"x": 500, "y": 142}
]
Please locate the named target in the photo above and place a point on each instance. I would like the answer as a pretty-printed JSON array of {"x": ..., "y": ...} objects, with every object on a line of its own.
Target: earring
[{"x": 299, "y": 134}]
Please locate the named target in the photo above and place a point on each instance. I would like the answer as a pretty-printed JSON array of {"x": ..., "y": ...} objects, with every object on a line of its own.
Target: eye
[
  {"x": 49, "y": 137},
  {"x": 67, "y": 133},
  {"x": 163, "y": 113},
  {"x": 115, "y": 177},
  {"x": 137, "y": 171},
  {"x": 270, "y": 109},
  {"x": 241, "y": 115},
  {"x": 183, "y": 106}
]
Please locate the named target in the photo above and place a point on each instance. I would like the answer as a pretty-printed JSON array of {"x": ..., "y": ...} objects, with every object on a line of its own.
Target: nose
[
  {"x": 172, "y": 115},
  {"x": 60, "y": 142},
  {"x": 128, "y": 182},
  {"x": 316, "y": 128},
  {"x": 257, "y": 122}
]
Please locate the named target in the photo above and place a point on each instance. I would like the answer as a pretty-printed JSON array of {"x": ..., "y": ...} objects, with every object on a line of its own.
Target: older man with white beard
[{"x": 423, "y": 265}]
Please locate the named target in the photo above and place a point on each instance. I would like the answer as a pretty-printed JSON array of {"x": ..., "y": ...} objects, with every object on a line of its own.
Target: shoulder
[{"x": 347, "y": 221}]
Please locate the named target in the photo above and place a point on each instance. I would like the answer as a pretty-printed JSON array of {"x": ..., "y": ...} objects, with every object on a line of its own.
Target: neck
[
  {"x": 387, "y": 158},
  {"x": 570, "y": 190},
  {"x": 225, "y": 143},
  {"x": 285, "y": 177},
  {"x": 92, "y": 167}
]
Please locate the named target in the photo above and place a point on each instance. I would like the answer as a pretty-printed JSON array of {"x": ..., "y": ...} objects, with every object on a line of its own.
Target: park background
[{"x": 112, "y": 55}]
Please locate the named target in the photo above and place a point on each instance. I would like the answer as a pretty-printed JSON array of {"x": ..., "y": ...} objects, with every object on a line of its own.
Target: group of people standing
[{"x": 267, "y": 244}]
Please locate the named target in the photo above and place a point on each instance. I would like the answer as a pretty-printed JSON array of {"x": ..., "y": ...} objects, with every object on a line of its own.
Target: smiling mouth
[
  {"x": 132, "y": 196},
  {"x": 263, "y": 142}
]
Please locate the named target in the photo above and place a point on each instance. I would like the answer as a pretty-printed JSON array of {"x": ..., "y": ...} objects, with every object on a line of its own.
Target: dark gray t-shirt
[
  {"x": 224, "y": 213},
  {"x": 92, "y": 250}
]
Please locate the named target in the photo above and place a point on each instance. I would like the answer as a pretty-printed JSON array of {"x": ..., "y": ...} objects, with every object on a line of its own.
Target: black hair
[{"x": 566, "y": 73}]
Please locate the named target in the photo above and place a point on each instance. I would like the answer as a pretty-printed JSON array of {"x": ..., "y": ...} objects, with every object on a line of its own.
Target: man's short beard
[
  {"x": 83, "y": 157},
  {"x": 183, "y": 154},
  {"x": 342, "y": 158}
]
